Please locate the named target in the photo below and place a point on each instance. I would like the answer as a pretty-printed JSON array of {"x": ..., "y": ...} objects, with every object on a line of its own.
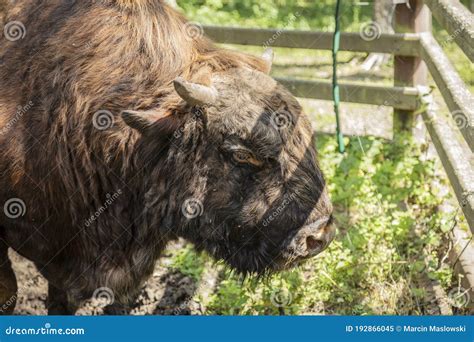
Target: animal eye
[{"x": 245, "y": 157}]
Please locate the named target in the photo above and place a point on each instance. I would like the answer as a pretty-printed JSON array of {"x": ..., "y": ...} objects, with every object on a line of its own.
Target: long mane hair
[{"x": 78, "y": 58}]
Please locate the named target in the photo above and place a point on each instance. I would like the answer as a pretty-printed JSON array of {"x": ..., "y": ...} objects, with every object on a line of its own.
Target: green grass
[
  {"x": 390, "y": 236},
  {"x": 291, "y": 14}
]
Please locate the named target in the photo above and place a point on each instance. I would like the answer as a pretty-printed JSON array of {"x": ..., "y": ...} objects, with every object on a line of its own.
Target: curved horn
[
  {"x": 193, "y": 93},
  {"x": 268, "y": 59}
]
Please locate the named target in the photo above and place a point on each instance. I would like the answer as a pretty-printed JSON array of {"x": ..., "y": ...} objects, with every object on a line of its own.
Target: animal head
[{"x": 245, "y": 182}]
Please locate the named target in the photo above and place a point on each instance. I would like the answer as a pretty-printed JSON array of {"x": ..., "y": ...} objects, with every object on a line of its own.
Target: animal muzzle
[{"x": 313, "y": 238}]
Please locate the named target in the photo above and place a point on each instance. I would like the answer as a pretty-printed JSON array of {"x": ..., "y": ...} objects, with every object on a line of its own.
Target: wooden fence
[{"x": 416, "y": 53}]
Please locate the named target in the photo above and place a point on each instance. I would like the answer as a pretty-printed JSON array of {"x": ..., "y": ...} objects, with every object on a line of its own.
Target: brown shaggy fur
[
  {"x": 135, "y": 60},
  {"x": 79, "y": 58}
]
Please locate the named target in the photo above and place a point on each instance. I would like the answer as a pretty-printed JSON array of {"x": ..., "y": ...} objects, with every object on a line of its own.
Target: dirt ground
[{"x": 167, "y": 292}]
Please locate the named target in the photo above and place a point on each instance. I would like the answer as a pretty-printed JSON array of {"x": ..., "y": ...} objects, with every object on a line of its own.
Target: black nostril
[{"x": 313, "y": 244}]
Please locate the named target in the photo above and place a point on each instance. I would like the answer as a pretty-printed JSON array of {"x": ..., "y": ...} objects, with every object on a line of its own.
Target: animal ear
[
  {"x": 267, "y": 57},
  {"x": 152, "y": 122},
  {"x": 138, "y": 120},
  {"x": 193, "y": 93}
]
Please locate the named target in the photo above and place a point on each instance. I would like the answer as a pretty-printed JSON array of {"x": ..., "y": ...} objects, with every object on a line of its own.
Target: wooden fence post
[{"x": 409, "y": 71}]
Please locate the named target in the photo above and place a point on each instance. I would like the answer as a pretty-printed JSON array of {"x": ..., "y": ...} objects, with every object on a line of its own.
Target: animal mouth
[{"x": 309, "y": 241}]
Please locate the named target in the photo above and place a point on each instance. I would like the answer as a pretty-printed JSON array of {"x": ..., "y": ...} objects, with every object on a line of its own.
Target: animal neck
[{"x": 168, "y": 176}]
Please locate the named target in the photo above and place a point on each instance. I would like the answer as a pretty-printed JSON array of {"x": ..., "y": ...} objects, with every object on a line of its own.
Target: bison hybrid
[{"x": 122, "y": 128}]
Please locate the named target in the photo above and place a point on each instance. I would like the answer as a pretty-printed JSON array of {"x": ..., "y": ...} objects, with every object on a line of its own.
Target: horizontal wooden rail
[
  {"x": 399, "y": 44},
  {"x": 458, "y": 98},
  {"x": 456, "y": 158},
  {"x": 398, "y": 97},
  {"x": 457, "y": 20}
]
